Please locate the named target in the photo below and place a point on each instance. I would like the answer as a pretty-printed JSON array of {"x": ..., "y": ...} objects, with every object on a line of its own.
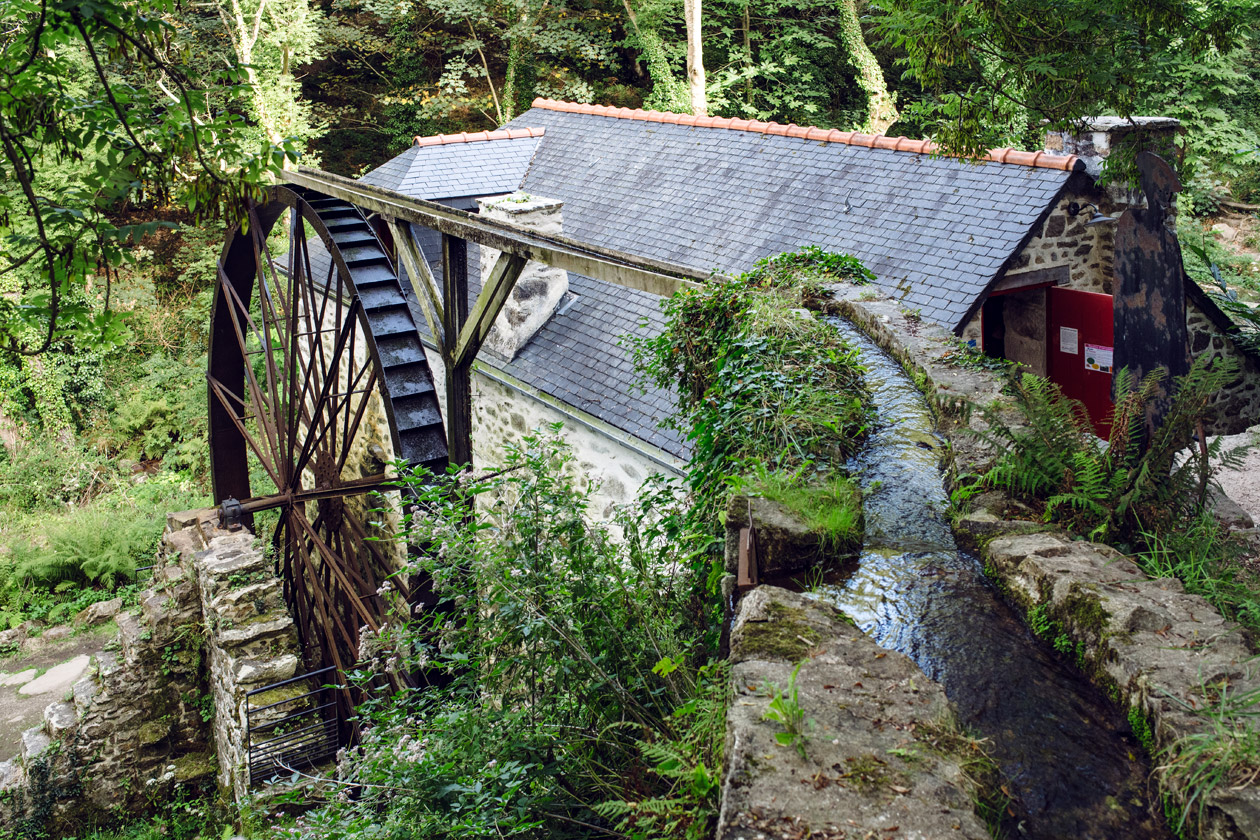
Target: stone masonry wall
[
  {"x": 135, "y": 726},
  {"x": 251, "y": 641},
  {"x": 1063, "y": 241},
  {"x": 608, "y": 459},
  {"x": 1153, "y": 648},
  {"x": 166, "y": 696}
]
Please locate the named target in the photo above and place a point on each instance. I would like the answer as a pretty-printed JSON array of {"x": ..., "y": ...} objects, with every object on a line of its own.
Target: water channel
[{"x": 1074, "y": 768}]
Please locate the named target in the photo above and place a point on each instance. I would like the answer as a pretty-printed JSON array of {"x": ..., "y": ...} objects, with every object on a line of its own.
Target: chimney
[
  {"x": 540, "y": 287},
  {"x": 1098, "y": 137}
]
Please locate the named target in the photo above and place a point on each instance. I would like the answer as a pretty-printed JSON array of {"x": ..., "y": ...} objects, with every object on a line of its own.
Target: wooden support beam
[
  {"x": 458, "y": 376},
  {"x": 498, "y": 286},
  {"x": 607, "y": 264},
  {"x": 422, "y": 283}
]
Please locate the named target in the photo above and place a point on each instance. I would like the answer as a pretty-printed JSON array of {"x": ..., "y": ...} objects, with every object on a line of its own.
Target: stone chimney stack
[
  {"x": 1101, "y": 136},
  {"x": 540, "y": 287}
]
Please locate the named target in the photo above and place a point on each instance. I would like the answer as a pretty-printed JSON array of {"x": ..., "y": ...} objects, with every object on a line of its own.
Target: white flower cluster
[{"x": 411, "y": 749}]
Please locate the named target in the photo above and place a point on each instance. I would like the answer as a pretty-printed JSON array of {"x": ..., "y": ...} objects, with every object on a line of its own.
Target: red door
[{"x": 1081, "y": 332}]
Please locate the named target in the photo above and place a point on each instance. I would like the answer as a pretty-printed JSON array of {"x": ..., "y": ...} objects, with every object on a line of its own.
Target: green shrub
[
  {"x": 67, "y": 562},
  {"x": 572, "y": 678},
  {"x": 758, "y": 381},
  {"x": 1110, "y": 490},
  {"x": 164, "y": 414},
  {"x": 46, "y": 475},
  {"x": 94, "y": 546}
]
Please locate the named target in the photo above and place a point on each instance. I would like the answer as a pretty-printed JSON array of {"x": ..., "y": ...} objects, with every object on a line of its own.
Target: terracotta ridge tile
[
  {"x": 477, "y": 136},
  {"x": 1040, "y": 159}
]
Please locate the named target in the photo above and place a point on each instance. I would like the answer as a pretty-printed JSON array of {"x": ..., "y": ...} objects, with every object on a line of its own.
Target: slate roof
[
  {"x": 722, "y": 194},
  {"x": 578, "y": 357},
  {"x": 459, "y": 165},
  {"x": 713, "y": 193}
]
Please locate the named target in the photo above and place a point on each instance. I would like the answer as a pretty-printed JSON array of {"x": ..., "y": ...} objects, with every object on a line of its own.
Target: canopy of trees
[{"x": 109, "y": 108}]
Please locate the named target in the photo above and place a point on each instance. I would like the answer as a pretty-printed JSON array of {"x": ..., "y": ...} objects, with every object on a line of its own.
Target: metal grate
[{"x": 294, "y": 733}]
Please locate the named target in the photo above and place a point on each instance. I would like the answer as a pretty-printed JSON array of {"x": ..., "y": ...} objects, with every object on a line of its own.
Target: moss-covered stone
[
  {"x": 153, "y": 731},
  {"x": 195, "y": 767},
  {"x": 785, "y": 635}
]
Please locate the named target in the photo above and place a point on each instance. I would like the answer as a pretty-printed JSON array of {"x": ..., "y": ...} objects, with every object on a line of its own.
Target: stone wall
[
  {"x": 136, "y": 724},
  {"x": 504, "y": 412},
  {"x": 1237, "y": 408},
  {"x": 1065, "y": 251},
  {"x": 251, "y": 641},
  {"x": 1086, "y": 251},
  {"x": 166, "y": 695}
]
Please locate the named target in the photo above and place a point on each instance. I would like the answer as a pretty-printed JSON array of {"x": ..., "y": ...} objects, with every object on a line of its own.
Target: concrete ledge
[{"x": 881, "y": 753}]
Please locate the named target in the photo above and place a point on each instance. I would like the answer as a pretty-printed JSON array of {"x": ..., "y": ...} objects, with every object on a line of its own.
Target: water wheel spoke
[
  {"x": 308, "y": 575},
  {"x": 351, "y": 428},
  {"x": 261, "y": 410},
  {"x": 227, "y": 398},
  {"x": 333, "y": 566},
  {"x": 318, "y": 414}
]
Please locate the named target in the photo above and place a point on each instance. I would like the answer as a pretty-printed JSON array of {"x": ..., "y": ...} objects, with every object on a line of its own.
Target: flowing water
[{"x": 1073, "y": 766}]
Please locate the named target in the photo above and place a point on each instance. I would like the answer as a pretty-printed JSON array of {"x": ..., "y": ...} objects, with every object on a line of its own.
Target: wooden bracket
[{"x": 748, "y": 573}]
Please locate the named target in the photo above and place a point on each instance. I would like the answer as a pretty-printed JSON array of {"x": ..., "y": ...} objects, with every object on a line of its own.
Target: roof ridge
[
  {"x": 477, "y": 136},
  {"x": 1041, "y": 160}
]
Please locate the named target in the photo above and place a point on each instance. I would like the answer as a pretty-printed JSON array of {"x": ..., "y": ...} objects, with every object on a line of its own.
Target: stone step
[
  {"x": 59, "y": 718},
  {"x": 34, "y": 741}
]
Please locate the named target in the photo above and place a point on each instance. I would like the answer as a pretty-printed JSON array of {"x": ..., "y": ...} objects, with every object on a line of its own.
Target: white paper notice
[
  {"x": 1068, "y": 341},
  {"x": 1098, "y": 357}
]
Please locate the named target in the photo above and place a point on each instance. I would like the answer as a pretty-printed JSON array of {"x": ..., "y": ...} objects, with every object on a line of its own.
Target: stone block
[
  {"x": 863, "y": 772},
  {"x": 254, "y": 672},
  {"x": 34, "y": 741},
  {"x": 59, "y": 718},
  {"x": 265, "y": 627},
  {"x": 99, "y": 613},
  {"x": 11, "y": 775}
]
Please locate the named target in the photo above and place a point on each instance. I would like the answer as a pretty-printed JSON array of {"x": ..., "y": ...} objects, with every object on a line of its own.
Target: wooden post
[{"x": 458, "y": 375}]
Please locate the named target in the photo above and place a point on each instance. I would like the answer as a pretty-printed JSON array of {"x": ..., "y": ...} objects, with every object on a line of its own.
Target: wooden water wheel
[{"x": 317, "y": 380}]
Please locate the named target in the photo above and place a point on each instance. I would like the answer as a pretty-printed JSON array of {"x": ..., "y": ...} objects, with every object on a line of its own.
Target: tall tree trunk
[
  {"x": 880, "y": 110},
  {"x": 748, "y": 55},
  {"x": 695, "y": 59}
]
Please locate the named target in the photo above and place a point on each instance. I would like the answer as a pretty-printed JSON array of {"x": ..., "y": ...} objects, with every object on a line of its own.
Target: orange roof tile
[
  {"x": 501, "y": 134},
  {"x": 1042, "y": 160}
]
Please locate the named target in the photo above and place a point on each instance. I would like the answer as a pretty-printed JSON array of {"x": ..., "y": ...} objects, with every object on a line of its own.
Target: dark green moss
[{"x": 786, "y": 635}]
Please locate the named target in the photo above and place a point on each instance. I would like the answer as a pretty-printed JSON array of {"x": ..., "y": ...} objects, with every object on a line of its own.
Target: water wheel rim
[{"x": 294, "y": 365}]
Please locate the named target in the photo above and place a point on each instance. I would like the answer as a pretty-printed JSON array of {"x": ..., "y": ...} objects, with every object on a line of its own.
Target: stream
[{"x": 1072, "y": 765}]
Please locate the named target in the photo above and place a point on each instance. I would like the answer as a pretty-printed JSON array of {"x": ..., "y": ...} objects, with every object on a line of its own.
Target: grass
[
  {"x": 1203, "y": 557},
  {"x": 830, "y": 505},
  {"x": 1224, "y": 754},
  {"x": 182, "y": 819}
]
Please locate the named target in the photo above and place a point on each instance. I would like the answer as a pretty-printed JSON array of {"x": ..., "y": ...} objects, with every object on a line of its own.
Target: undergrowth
[
  {"x": 1140, "y": 479},
  {"x": 1224, "y": 754},
  {"x": 575, "y": 699},
  {"x": 763, "y": 388}
]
